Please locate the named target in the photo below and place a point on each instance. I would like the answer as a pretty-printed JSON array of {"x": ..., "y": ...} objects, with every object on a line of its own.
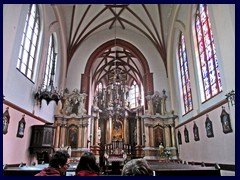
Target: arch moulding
[{"x": 147, "y": 75}]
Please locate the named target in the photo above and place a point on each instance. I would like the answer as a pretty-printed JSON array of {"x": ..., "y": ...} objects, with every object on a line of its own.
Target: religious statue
[
  {"x": 163, "y": 102},
  {"x": 95, "y": 107},
  {"x": 149, "y": 104},
  {"x": 81, "y": 108},
  {"x": 161, "y": 149},
  {"x": 73, "y": 104},
  {"x": 69, "y": 150},
  {"x": 156, "y": 103}
]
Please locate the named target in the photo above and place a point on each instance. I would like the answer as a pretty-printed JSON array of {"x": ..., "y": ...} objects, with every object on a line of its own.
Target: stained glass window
[
  {"x": 210, "y": 74},
  {"x": 184, "y": 74},
  {"x": 28, "y": 48}
]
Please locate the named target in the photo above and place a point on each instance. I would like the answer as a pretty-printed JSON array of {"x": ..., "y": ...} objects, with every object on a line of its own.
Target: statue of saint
[
  {"x": 81, "y": 105},
  {"x": 69, "y": 150},
  {"x": 149, "y": 104},
  {"x": 161, "y": 149},
  {"x": 157, "y": 104},
  {"x": 163, "y": 103}
]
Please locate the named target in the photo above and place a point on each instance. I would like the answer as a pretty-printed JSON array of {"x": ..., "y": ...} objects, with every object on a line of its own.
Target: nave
[{"x": 124, "y": 81}]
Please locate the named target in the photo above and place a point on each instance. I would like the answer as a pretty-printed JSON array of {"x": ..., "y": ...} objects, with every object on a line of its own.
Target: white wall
[
  {"x": 19, "y": 90},
  {"x": 217, "y": 149},
  {"x": 220, "y": 148},
  {"x": 16, "y": 150}
]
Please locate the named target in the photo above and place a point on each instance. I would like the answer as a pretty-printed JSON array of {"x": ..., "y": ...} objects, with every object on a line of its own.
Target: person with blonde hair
[{"x": 137, "y": 167}]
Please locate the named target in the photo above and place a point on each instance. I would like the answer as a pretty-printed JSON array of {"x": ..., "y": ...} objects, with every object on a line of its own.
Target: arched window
[
  {"x": 51, "y": 62},
  {"x": 184, "y": 75},
  {"x": 99, "y": 87},
  {"x": 134, "y": 95},
  {"x": 210, "y": 81},
  {"x": 29, "y": 43}
]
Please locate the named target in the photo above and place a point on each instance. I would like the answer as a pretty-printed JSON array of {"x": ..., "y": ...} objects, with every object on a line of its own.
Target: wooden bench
[{"x": 176, "y": 169}]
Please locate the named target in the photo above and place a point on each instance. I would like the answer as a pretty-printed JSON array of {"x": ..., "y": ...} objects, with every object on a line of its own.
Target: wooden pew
[
  {"x": 32, "y": 170},
  {"x": 176, "y": 169},
  {"x": 23, "y": 170}
]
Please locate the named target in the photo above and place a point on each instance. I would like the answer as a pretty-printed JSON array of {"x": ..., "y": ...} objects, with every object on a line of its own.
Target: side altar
[
  {"x": 72, "y": 124},
  {"x": 159, "y": 129}
]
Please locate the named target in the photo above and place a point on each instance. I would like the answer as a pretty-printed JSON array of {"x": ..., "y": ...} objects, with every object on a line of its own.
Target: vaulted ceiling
[{"x": 84, "y": 20}]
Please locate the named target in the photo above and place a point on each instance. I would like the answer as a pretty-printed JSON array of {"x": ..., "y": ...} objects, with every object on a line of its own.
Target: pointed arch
[{"x": 146, "y": 74}]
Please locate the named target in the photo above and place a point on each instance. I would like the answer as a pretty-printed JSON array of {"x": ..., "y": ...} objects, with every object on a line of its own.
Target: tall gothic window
[
  {"x": 211, "y": 83},
  {"x": 99, "y": 87},
  {"x": 28, "y": 48},
  {"x": 184, "y": 74},
  {"x": 51, "y": 62},
  {"x": 134, "y": 95}
]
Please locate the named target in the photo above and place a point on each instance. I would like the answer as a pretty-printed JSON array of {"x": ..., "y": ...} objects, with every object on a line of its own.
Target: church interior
[{"x": 124, "y": 81}]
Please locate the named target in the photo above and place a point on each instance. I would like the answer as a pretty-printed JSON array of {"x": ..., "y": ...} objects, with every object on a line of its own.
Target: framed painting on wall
[
  {"x": 209, "y": 127},
  {"x": 6, "y": 121},
  {"x": 186, "y": 135},
  {"x": 196, "y": 132},
  {"x": 179, "y": 138},
  {"x": 225, "y": 120},
  {"x": 21, "y": 127}
]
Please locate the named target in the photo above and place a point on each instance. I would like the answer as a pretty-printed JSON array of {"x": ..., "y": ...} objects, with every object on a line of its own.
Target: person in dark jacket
[
  {"x": 58, "y": 165},
  {"x": 87, "y": 165}
]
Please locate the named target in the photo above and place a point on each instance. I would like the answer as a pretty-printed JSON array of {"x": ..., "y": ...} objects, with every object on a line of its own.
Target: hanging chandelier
[
  {"x": 113, "y": 99},
  {"x": 49, "y": 93}
]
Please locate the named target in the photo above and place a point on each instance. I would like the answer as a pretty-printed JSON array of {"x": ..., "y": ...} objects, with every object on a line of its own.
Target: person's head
[
  {"x": 60, "y": 161},
  {"x": 87, "y": 162},
  {"x": 137, "y": 167}
]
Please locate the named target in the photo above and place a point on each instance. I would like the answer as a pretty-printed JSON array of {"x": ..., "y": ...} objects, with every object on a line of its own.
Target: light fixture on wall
[
  {"x": 49, "y": 93},
  {"x": 231, "y": 97}
]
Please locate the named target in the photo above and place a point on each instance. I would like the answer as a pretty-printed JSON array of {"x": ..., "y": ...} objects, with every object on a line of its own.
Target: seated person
[
  {"x": 58, "y": 165},
  {"x": 87, "y": 165},
  {"x": 137, "y": 167}
]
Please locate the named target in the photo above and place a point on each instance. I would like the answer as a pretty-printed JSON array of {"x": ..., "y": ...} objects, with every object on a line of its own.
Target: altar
[{"x": 113, "y": 128}]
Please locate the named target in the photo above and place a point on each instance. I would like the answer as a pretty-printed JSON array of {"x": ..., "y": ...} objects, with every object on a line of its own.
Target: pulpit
[{"x": 42, "y": 142}]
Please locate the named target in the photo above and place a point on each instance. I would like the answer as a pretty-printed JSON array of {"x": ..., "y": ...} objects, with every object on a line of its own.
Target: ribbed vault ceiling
[{"x": 84, "y": 20}]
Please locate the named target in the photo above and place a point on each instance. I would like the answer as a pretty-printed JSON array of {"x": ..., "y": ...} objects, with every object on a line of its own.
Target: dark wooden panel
[{"x": 188, "y": 172}]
